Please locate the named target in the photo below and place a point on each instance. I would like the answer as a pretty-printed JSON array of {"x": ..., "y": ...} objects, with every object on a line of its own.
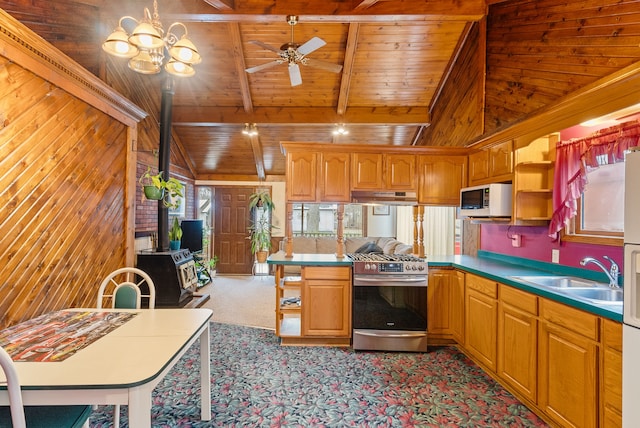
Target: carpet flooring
[{"x": 258, "y": 383}]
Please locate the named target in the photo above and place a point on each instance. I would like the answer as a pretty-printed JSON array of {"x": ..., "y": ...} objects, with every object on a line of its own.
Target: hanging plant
[
  {"x": 155, "y": 187},
  {"x": 262, "y": 199}
]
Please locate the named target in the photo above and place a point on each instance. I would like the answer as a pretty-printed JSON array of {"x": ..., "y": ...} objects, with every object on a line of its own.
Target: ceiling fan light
[
  {"x": 142, "y": 63},
  {"x": 179, "y": 68},
  {"x": 185, "y": 51},
  {"x": 117, "y": 44},
  {"x": 146, "y": 36}
]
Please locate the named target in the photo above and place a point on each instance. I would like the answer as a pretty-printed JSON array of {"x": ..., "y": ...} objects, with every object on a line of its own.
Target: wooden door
[
  {"x": 440, "y": 179},
  {"x": 438, "y": 301},
  {"x": 366, "y": 171},
  {"x": 230, "y": 234},
  {"x": 335, "y": 185},
  {"x": 400, "y": 172},
  {"x": 302, "y": 176}
]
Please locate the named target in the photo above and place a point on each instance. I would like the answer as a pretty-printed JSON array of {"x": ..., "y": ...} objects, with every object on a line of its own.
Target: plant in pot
[
  {"x": 155, "y": 187},
  {"x": 261, "y": 199},
  {"x": 175, "y": 235},
  {"x": 260, "y": 237}
]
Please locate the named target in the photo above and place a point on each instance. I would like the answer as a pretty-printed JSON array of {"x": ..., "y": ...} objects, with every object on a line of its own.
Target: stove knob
[{"x": 421, "y": 267}]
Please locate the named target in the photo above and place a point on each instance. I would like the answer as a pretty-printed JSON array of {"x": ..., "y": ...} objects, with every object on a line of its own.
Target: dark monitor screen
[{"x": 192, "y": 235}]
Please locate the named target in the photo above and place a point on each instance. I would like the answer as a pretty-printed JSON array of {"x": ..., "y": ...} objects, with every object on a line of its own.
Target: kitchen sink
[
  {"x": 559, "y": 281},
  {"x": 578, "y": 288}
]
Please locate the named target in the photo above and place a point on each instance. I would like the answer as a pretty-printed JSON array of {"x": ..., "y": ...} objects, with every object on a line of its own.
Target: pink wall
[{"x": 536, "y": 244}]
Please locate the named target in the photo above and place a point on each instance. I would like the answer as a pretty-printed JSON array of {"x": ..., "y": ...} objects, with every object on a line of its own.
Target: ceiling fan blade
[
  {"x": 294, "y": 75},
  {"x": 265, "y": 46},
  {"x": 262, "y": 66},
  {"x": 311, "y": 45},
  {"x": 335, "y": 68}
]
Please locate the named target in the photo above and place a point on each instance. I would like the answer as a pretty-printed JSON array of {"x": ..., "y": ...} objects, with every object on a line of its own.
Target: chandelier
[{"x": 148, "y": 44}]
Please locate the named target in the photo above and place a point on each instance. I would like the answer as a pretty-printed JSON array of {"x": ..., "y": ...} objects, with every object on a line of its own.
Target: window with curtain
[
  {"x": 440, "y": 229},
  {"x": 577, "y": 162}
]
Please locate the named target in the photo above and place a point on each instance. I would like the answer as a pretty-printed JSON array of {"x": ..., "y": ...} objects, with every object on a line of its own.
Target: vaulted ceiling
[{"x": 394, "y": 58}]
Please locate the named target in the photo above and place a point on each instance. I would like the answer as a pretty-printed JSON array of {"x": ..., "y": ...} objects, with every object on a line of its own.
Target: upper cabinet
[
  {"x": 366, "y": 171},
  {"x": 400, "y": 172},
  {"x": 491, "y": 165},
  {"x": 308, "y": 182},
  {"x": 441, "y": 178}
]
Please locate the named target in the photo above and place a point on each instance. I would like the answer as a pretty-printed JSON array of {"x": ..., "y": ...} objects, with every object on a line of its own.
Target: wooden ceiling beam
[
  {"x": 238, "y": 56},
  {"x": 217, "y": 116},
  {"x": 258, "y": 157},
  {"x": 220, "y": 4},
  {"x": 347, "y": 68}
]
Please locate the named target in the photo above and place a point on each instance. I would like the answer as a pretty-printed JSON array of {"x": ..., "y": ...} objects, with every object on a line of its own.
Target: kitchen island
[{"x": 315, "y": 307}]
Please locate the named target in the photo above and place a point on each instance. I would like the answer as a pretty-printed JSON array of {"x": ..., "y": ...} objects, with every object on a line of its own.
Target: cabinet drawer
[
  {"x": 522, "y": 300},
  {"x": 482, "y": 285},
  {"x": 318, "y": 272},
  {"x": 570, "y": 318}
]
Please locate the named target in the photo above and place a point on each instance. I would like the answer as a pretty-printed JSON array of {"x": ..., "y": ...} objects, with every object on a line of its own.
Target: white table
[{"x": 124, "y": 366}]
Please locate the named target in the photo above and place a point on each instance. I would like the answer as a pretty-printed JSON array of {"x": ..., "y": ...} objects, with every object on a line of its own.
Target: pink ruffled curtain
[{"x": 573, "y": 159}]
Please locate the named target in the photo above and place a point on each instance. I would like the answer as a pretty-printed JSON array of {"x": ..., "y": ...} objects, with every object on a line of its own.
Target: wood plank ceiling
[{"x": 394, "y": 55}]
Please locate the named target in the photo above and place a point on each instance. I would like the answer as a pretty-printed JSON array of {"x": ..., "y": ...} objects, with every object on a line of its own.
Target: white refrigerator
[{"x": 631, "y": 314}]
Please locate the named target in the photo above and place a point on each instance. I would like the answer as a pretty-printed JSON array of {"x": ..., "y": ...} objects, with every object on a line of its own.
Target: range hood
[{"x": 383, "y": 197}]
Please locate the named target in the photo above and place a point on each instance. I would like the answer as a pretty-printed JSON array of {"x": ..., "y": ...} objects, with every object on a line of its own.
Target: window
[
  {"x": 600, "y": 216},
  {"x": 322, "y": 220}
]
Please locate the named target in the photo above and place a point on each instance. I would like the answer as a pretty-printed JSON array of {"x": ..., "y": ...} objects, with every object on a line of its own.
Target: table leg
[
  {"x": 205, "y": 374},
  {"x": 140, "y": 407}
]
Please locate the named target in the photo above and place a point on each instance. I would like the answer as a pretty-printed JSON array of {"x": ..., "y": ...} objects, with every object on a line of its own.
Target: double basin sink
[{"x": 579, "y": 288}]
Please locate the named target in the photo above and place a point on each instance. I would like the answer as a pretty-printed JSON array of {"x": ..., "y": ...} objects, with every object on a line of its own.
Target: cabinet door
[
  {"x": 501, "y": 159},
  {"x": 334, "y": 175},
  {"x": 611, "y": 390},
  {"x": 301, "y": 176},
  {"x": 517, "y": 348},
  {"x": 366, "y": 171},
  {"x": 440, "y": 179},
  {"x": 326, "y": 302},
  {"x": 400, "y": 172},
  {"x": 457, "y": 307},
  {"x": 439, "y": 301},
  {"x": 478, "y": 167},
  {"x": 567, "y": 379},
  {"x": 480, "y": 327}
]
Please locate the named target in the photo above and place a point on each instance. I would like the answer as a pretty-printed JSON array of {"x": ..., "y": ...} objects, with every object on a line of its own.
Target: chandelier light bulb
[{"x": 340, "y": 130}]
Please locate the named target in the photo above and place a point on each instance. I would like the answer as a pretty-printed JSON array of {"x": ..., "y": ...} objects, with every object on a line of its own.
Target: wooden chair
[
  {"x": 121, "y": 288},
  {"x": 36, "y": 416}
]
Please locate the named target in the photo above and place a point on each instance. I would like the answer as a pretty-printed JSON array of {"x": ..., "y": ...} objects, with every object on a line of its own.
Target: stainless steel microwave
[{"x": 487, "y": 200}]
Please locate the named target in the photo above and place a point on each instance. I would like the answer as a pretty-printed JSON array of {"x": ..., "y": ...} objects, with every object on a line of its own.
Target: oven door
[{"x": 390, "y": 302}]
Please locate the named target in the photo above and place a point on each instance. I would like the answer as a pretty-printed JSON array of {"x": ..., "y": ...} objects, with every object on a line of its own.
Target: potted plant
[
  {"x": 175, "y": 235},
  {"x": 260, "y": 237},
  {"x": 157, "y": 188},
  {"x": 261, "y": 199}
]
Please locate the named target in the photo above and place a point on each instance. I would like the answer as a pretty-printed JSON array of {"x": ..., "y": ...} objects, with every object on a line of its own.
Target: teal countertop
[
  {"x": 501, "y": 268},
  {"x": 497, "y": 267},
  {"x": 308, "y": 260}
]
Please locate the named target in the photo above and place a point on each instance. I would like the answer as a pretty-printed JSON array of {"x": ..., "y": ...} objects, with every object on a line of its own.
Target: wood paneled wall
[
  {"x": 65, "y": 178},
  {"x": 457, "y": 113},
  {"x": 541, "y": 50}
]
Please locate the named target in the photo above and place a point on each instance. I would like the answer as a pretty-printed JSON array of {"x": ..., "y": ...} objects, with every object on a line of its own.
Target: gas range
[{"x": 387, "y": 264}]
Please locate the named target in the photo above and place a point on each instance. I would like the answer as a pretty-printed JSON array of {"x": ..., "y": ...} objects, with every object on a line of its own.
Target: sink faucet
[{"x": 612, "y": 273}]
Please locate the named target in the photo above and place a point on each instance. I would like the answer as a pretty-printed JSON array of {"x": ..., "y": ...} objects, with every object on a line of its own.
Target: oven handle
[
  {"x": 378, "y": 333},
  {"x": 410, "y": 281}
]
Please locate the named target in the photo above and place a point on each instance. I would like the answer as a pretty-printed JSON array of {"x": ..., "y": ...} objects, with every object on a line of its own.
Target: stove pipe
[{"x": 164, "y": 159}]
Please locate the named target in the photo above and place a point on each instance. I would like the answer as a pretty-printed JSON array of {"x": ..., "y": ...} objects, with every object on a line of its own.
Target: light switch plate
[{"x": 555, "y": 256}]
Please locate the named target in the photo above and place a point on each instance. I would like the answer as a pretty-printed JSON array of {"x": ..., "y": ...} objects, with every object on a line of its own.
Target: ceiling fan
[{"x": 293, "y": 54}]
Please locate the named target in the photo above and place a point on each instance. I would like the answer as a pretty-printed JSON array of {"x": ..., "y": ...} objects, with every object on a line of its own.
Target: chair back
[
  {"x": 121, "y": 288},
  {"x": 13, "y": 387}
]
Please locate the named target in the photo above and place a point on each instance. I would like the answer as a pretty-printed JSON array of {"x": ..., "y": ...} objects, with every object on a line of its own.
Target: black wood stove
[{"x": 173, "y": 273}]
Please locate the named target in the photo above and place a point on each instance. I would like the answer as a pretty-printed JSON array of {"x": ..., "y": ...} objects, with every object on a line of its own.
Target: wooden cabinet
[
  {"x": 288, "y": 304},
  {"x": 568, "y": 365},
  {"x": 400, "y": 172},
  {"x": 302, "y": 170},
  {"x": 491, "y": 165},
  {"x": 533, "y": 181},
  {"x": 481, "y": 316},
  {"x": 330, "y": 182},
  {"x": 611, "y": 375},
  {"x": 440, "y": 179},
  {"x": 335, "y": 183},
  {"x": 326, "y": 297},
  {"x": 445, "y": 305},
  {"x": 378, "y": 171},
  {"x": 518, "y": 340},
  {"x": 366, "y": 171}
]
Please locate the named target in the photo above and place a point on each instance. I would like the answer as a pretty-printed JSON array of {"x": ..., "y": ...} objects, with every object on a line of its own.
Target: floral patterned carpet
[{"x": 258, "y": 383}]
